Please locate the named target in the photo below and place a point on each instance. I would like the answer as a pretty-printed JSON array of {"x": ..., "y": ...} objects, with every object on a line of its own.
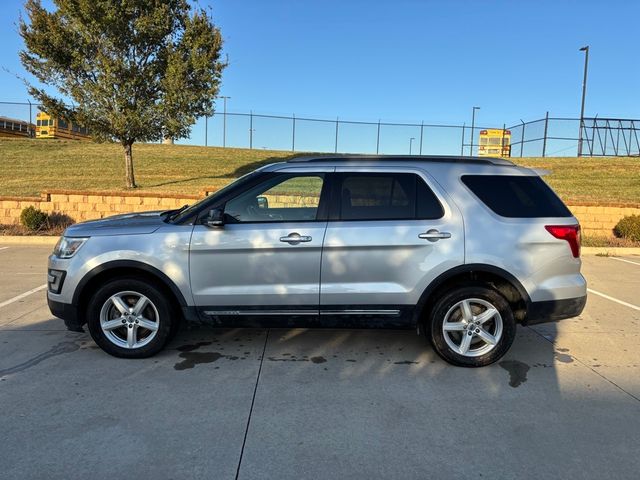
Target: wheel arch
[
  {"x": 120, "y": 268},
  {"x": 504, "y": 282}
]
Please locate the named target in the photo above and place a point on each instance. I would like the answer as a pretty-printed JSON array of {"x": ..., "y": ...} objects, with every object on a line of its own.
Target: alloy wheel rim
[
  {"x": 472, "y": 327},
  {"x": 129, "y": 319}
]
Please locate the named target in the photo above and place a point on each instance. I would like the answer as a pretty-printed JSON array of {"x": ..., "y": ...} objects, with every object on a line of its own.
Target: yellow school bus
[
  {"x": 10, "y": 127},
  {"x": 51, "y": 127},
  {"x": 495, "y": 142}
]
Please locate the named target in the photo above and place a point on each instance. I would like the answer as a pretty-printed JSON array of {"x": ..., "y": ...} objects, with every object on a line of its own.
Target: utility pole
[
  {"x": 473, "y": 123},
  {"x": 224, "y": 121},
  {"x": 411, "y": 144},
  {"x": 584, "y": 94}
]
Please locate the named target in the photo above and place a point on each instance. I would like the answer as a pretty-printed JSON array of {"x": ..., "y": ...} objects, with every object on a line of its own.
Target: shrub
[
  {"x": 59, "y": 220},
  {"x": 33, "y": 219},
  {"x": 628, "y": 227}
]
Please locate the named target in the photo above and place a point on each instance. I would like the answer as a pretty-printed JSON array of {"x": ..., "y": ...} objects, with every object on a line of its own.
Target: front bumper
[
  {"x": 67, "y": 312},
  {"x": 554, "y": 310}
]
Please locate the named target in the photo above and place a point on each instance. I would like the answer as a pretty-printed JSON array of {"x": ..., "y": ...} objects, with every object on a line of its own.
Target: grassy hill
[{"x": 31, "y": 166}]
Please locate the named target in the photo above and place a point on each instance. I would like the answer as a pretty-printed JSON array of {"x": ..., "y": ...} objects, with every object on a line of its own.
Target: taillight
[{"x": 570, "y": 233}]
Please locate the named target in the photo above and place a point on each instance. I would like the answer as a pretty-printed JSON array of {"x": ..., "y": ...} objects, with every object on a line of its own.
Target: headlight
[{"x": 68, "y": 246}]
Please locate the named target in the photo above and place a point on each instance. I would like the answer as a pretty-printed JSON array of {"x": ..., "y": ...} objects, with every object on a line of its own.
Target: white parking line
[
  {"x": 3, "y": 248},
  {"x": 624, "y": 260},
  {"x": 603, "y": 295},
  {"x": 22, "y": 295}
]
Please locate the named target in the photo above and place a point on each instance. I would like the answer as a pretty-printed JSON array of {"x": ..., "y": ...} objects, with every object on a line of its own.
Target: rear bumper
[
  {"x": 68, "y": 313},
  {"x": 554, "y": 310}
]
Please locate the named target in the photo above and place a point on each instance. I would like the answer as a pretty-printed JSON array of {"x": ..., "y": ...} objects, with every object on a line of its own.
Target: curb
[
  {"x": 615, "y": 251},
  {"x": 28, "y": 240}
]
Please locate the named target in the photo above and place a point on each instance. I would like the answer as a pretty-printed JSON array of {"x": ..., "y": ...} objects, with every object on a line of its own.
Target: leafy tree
[{"x": 135, "y": 70}]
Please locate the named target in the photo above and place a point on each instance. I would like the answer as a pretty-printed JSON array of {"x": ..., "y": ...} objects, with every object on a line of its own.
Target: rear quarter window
[{"x": 516, "y": 196}]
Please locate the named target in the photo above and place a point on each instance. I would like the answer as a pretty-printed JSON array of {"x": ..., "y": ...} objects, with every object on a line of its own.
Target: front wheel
[
  {"x": 472, "y": 326},
  {"x": 130, "y": 318}
]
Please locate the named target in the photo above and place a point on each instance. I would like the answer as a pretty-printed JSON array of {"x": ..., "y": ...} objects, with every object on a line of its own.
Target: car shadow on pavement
[{"x": 312, "y": 403}]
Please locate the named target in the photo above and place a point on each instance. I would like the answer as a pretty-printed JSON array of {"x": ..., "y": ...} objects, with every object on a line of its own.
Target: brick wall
[
  {"x": 81, "y": 206},
  {"x": 596, "y": 220}
]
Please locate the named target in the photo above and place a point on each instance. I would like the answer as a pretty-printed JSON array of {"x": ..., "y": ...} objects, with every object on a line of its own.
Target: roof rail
[{"x": 403, "y": 158}]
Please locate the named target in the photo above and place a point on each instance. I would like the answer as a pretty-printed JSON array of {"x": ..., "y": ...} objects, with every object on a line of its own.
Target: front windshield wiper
[{"x": 171, "y": 214}]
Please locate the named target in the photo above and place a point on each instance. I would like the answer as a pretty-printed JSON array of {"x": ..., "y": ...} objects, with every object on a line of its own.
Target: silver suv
[{"x": 462, "y": 249}]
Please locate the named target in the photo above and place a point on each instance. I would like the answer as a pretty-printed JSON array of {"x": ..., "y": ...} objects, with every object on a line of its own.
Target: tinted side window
[
  {"x": 386, "y": 196},
  {"x": 428, "y": 206},
  {"x": 516, "y": 196}
]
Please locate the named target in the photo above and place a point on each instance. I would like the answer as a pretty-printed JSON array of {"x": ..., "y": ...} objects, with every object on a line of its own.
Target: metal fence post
[
  {"x": 593, "y": 135},
  {"x": 462, "y": 144},
  {"x": 336, "y": 147},
  {"x": 635, "y": 134},
  {"x": 378, "y": 139},
  {"x": 30, "y": 132},
  {"x": 224, "y": 123},
  {"x": 293, "y": 134},
  {"x": 522, "y": 139},
  {"x": 544, "y": 139},
  {"x": 421, "y": 131},
  {"x": 251, "y": 130}
]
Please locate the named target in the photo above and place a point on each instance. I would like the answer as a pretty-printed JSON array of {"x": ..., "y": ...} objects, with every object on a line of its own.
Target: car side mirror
[
  {"x": 215, "y": 218},
  {"x": 263, "y": 202}
]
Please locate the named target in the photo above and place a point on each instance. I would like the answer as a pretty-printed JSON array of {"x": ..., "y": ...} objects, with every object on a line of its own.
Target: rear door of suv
[{"x": 391, "y": 231}]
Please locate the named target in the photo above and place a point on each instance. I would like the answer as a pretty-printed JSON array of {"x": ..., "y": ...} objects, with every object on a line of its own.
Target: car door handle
[
  {"x": 295, "y": 238},
  {"x": 434, "y": 235}
]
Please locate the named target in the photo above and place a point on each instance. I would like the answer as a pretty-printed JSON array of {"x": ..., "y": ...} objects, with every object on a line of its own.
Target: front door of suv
[
  {"x": 265, "y": 259},
  {"x": 391, "y": 232}
]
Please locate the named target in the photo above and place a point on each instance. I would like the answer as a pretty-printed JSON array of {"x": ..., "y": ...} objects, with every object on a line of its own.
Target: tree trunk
[{"x": 130, "y": 179}]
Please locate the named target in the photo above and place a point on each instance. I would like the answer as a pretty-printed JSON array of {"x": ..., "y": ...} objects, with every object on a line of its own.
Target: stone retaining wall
[
  {"x": 596, "y": 220},
  {"x": 81, "y": 206}
]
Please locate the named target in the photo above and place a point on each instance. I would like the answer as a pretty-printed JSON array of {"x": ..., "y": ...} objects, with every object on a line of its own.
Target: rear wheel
[
  {"x": 472, "y": 326},
  {"x": 130, "y": 318}
]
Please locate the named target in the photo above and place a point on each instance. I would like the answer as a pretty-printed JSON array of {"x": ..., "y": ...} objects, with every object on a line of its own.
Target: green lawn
[{"x": 31, "y": 166}]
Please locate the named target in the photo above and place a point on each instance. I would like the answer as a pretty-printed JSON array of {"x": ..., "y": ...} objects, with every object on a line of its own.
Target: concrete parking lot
[{"x": 291, "y": 404}]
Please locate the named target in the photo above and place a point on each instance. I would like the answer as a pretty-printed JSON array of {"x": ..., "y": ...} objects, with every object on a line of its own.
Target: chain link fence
[
  {"x": 304, "y": 134},
  {"x": 548, "y": 136}
]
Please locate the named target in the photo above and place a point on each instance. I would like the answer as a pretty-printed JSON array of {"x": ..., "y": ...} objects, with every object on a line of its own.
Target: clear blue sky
[{"x": 410, "y": 60}]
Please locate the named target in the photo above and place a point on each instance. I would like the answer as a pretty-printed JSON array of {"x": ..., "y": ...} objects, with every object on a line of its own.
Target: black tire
[
  {"x": 167, "y": 319},
  {"x": 447, "y": 301}
]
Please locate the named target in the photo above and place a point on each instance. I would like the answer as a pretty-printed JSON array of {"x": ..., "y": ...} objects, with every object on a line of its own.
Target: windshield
[{"x": 211, "y": 198}]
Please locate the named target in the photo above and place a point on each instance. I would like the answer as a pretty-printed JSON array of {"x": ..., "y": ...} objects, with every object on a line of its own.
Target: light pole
[
  {"x": 473, "y": 123},
  {"x": 411, "y": 144},
  {"x": 584, "y": 93},
  {"x": 224, "y": 121}
]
